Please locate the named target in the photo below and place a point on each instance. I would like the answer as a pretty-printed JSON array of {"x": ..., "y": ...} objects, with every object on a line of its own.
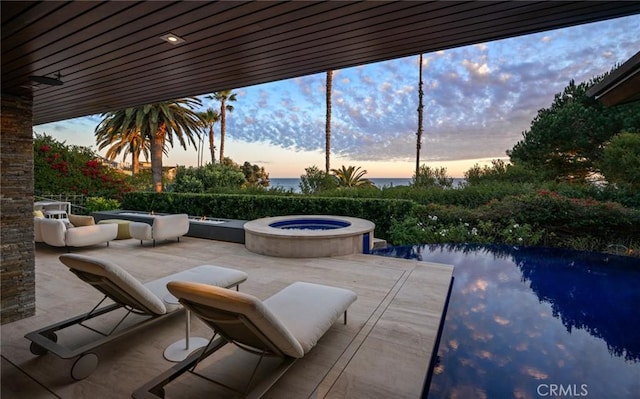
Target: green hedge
[
  {"x": 467, "y": 196},
  {"x": 248, "y": 207},
  {"x": 473, "y": 196},
  {"x": 536, "y": 218}
]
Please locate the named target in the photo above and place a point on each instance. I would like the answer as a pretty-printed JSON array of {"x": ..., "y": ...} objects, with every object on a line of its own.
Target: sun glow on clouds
[
  {"x": 475, "y": 68},
  {"x": 478, "y": 100}
]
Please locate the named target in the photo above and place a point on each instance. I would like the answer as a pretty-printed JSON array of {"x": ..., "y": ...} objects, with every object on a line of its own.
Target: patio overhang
[
  {"x": 621, "y": 86},
  {"x": 81, "y": 58}
]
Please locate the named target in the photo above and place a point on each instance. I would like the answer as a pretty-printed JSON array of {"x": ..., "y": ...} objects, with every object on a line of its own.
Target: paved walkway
[{"x": 382, "y": 352}]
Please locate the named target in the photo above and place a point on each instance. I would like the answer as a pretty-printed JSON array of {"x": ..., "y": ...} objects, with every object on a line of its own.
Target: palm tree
[
  {"x": 158, "y": 124},
  {"x": 209, "y": 119},
  {"x": 223, "y": 97},
  {"x": 351, "y": 177},
  {"x": 327, "y": 129},
  {"x": 127, "y": 141}
]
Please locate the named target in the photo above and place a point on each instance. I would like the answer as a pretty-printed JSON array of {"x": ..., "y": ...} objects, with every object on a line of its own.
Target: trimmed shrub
[
  {"x": 94, "y": 204},
  {"x": 543, "y": 218},
  {"x": 566, "y": 217}
]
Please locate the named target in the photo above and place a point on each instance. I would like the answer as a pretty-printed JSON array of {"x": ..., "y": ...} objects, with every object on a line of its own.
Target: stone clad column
[{"x": 17, "y": 256}]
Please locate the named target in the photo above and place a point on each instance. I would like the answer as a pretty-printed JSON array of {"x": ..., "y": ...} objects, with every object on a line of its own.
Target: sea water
[{"x": 294, "y": 182}]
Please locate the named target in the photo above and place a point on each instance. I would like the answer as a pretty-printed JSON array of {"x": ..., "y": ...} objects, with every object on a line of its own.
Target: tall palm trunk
[
  {"x": 157, "y": 146},
  {"x": 135, "y": 163},
  {"x": 212, "y": 148},
  {"x": 224, "y": 97},
  {"x": 419, "y": 132},
  {"x": 327, "y": 129},
  {"x": 223, "y": 127}
]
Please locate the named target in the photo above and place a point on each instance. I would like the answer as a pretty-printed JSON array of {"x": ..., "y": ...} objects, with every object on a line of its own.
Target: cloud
[
  {"x": 426, "y": 61},
  {"x": 263, "y": 101},
  {"x": 475, "y": 68},
  {"x": 477, "y": 99}
]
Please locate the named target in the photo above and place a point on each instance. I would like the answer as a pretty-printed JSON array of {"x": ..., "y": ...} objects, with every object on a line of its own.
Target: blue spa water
[
  {"x": 310, "y": 224},
  {"x": 536, "y": 323}
]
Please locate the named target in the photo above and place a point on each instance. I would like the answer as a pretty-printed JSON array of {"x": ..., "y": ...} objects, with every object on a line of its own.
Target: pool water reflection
[{"x": 522, "y": 319}]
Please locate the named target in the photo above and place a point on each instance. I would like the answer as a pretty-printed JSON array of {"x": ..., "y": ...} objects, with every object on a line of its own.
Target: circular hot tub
[{"x": 304, "y": 236}]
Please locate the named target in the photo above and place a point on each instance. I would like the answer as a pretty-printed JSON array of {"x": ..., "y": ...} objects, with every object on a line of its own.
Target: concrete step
[{"x": 379, "y": 243}]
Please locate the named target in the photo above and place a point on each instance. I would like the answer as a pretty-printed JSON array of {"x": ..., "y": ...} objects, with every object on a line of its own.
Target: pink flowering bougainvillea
[{"x": 60, "y": 168}]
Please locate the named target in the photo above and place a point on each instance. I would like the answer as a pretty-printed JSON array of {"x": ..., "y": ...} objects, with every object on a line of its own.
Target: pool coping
[{"x": 262, "y": 227}]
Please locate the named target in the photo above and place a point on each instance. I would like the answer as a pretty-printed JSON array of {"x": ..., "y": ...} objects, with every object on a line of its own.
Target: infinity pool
[{"x": 536, "y": 323}]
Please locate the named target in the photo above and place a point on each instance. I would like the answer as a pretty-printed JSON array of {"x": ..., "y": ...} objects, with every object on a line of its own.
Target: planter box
[{"x": 230, "y": 230}]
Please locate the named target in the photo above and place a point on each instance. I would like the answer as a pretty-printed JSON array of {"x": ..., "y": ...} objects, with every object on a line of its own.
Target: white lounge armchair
[
  {"x": 163, "y": 227},
  {"x": 287, "y": 325},
  {"x": 146, "y": 303}
]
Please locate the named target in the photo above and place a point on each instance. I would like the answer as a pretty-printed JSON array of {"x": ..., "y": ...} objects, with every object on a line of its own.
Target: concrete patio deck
[{"x": 383, "y": 352}]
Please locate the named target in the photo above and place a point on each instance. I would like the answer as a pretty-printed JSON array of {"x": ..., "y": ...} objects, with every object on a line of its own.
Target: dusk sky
[{"x": 478, "y": 100}]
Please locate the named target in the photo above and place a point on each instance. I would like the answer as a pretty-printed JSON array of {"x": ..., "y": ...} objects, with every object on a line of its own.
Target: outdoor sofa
[
  {"x": 162, "y": 227},
  {"x": 63, "y": 233}
]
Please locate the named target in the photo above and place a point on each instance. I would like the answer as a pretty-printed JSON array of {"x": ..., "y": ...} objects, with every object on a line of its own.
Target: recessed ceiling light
[{"x": 171, "y": 38}]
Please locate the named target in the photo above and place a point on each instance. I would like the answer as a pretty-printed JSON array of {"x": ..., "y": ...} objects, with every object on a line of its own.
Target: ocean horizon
[{"x": 293, "y": 183}]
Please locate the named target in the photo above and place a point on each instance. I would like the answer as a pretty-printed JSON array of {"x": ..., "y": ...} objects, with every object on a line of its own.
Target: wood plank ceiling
[
  {"x": 111, "y": 56},
  {"x": 621, "y": 86}
]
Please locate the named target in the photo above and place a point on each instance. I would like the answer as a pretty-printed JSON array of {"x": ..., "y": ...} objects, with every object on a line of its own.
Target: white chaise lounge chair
[
  {"x": 287, "y": 325},
  {"x": 152, "y": 301}
]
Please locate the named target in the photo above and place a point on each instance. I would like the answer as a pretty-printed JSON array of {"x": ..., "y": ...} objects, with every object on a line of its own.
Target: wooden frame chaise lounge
[
  {"x": 152, "y": 301},
  {"x": 287, "y": 326}
]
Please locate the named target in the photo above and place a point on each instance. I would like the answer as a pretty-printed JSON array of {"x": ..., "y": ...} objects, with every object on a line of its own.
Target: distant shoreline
[
  {"x": 370, "y": 178},
  {"x": 293, "y": 183}
]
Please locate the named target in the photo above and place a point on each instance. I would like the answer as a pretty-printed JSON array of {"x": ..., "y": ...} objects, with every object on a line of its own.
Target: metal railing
[{"x": 78, "y": 201}]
